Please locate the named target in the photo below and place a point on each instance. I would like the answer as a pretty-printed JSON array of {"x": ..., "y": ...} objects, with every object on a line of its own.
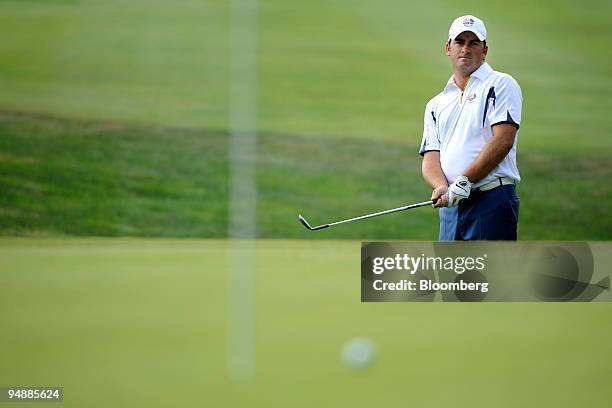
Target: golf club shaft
[{"x": 392, "y": 210}]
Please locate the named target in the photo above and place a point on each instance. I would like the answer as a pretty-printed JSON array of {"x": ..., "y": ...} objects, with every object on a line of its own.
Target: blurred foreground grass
[{"x": 129, "y": 322}]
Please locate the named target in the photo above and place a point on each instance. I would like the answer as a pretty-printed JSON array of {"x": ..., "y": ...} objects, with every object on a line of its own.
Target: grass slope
[
  {"x": 60, "y": 176},
  {"x": 143, "y": 323}
]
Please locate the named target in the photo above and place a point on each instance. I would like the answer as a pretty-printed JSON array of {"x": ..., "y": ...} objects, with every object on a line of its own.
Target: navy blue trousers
[{"x": 485, "y": 215}]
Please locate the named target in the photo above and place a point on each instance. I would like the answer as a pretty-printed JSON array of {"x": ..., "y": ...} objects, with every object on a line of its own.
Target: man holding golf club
[
  {"x": 469, "y": 145},
  {"x": 469, "y": 142}
]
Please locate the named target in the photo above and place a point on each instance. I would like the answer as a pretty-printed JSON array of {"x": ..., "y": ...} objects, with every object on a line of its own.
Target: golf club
[{"x": 376, "y": 214}]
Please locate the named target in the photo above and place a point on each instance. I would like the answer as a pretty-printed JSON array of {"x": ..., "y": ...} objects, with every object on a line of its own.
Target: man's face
[{"x": 466, "y": 52}]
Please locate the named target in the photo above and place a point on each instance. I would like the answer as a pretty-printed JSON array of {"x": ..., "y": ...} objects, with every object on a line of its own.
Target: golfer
[{"x": 469, "y": 142}]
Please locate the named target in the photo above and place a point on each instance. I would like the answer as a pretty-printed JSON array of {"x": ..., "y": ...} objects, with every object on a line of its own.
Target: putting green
[{"x": 129, "y": 322}]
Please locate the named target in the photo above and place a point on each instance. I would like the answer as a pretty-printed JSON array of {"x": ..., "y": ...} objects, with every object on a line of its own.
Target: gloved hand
[{"x": 459, "y": 190}]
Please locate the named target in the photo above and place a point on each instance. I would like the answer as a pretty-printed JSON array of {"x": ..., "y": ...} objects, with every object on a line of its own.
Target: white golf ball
[{"x": 358, "y": 352}]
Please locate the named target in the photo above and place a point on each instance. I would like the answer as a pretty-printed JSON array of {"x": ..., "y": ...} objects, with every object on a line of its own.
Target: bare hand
[{"x": 439, "y": 196}]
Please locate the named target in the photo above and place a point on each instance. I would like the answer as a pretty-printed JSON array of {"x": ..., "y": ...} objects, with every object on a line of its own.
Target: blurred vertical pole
[{"x": 242, "y": 189}]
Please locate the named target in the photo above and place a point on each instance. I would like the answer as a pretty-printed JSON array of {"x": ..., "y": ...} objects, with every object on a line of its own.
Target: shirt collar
[{"x": 481, "y": 73}]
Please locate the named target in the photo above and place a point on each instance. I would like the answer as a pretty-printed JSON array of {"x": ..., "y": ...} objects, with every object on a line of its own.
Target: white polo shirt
[{"x": 459, "y": 124}]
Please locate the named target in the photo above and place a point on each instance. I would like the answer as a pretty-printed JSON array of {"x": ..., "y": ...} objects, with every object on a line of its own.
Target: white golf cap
[{"x": 467, "y": 23}]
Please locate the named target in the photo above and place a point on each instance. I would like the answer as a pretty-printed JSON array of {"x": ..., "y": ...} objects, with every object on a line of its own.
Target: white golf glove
[{"x": 459, "y": 190}]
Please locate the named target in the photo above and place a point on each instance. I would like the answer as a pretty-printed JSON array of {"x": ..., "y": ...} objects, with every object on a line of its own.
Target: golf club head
[{"x": 307, "y": 225}]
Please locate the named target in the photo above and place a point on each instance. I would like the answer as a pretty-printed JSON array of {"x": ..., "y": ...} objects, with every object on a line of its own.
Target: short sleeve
[
  {"x": 430, "y": 141},
  {"x": 504, "y": 102}
]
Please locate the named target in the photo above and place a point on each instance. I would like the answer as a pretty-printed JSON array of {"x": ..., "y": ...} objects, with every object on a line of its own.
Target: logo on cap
[{"x": 468, "y": 21}]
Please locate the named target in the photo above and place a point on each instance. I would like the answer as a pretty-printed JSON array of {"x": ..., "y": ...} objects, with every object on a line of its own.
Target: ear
[
  {"x": 486, "y": 49},
  {"x": 447, "y": 47}
]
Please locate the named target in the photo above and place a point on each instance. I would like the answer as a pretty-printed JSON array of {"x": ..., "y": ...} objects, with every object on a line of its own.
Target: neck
[{"x": 461, "y": 80}]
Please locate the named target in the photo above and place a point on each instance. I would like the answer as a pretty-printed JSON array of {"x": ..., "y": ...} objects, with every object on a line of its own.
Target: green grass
[
  {"x": 332, "y": 67},
  {"x": 147, "y": 85},
  {"x": 143, "y": 90},
  {"x": 91, "y": 178},
  {"x": 151, "y": 62},
  {"x": 106, "y": 178},
  {"x": 126, "y": 322},
  {"x": 114, "y": 122}
]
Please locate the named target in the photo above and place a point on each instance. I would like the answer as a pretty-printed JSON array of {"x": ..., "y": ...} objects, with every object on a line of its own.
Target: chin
[{"x": 464, "y": 67}]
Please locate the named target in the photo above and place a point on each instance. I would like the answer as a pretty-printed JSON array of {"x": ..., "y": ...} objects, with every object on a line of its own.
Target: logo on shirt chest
[{"x": 471, "y": 98}]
